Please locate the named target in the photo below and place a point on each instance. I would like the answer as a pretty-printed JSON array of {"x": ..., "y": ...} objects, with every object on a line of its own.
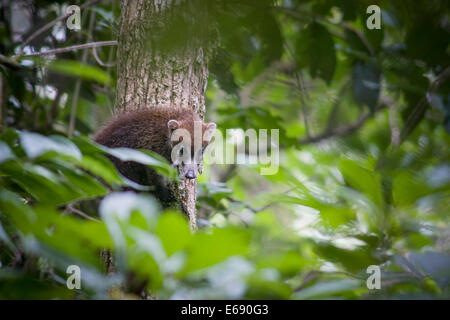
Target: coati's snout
[
  {"x": 190, "y": 174},
  {"x": 190, "y": 170},
  {"x": 188, "y": 141}
]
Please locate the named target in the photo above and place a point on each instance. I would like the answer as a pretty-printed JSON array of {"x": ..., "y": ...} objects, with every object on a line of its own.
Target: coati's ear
[
  {"x": 208, "y": 135},
  {"x": 211, "y": 127},
  {"x": 172, "y": 125}
]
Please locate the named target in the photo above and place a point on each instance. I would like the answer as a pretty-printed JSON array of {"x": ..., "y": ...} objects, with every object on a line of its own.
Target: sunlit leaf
[{"x": 80, "y": 70}]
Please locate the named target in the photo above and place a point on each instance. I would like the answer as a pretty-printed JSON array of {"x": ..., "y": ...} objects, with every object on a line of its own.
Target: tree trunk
[{"x": 149, "y": 76}]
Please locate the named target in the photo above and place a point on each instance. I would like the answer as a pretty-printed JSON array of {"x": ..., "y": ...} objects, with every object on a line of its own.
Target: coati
[{"x": 158, "y": 129}]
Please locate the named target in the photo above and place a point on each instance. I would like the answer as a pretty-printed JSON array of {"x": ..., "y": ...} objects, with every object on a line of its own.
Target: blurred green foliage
[{"x": 364, "y": 171}]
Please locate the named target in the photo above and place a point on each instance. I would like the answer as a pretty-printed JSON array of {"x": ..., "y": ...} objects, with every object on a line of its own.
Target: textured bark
[{"x": 149, "y": 76}]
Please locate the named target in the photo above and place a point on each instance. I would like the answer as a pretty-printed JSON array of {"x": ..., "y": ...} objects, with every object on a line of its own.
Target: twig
[
  {"x": 335, "y": 108},
  {"x": 71, "y": 48},
  {"x": 70, "y": 208},
  {"x": 419, "y": 110},
  {"x": 309, "y": 276},
  {"x": 109, "y": 94},
  {"x": 360, "y": 35},
  {"x": 100, "y": 62},
  {"x": 49, "y": 25},
  {"x": 256, "y": 210},
  {"x": 9, "y": 62},
  {"x": 303, "y": 15},
  {"x": 228, "y": 173},
  {"x": 393, "y": 124},
  {"x": 300, "y": 85},
  {"x": 342, "y": 130},
  {"x": 248, "y": 206},
  {"x": 54, "y": 109},
  {"x": 76, "y": 93},
  {"x": 339, "y": 131},
  {"x": 245, "y": 94}
]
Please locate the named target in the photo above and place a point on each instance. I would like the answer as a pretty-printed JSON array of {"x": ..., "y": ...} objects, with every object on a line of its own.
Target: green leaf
[
  {"x": 366, "y": 84},
  {"x": 101, "y": 167},
  {"x": 121, "y": 211},
  {"x": 327, "y": 289},
  {"x": 51, "y": 228},
  {"x": 41, "y": 183},
  {"x": 355, "y": 260},
  {"x": 315, "y": 50},
  {"x": 407, "y": 189},
  {"x": 214, "y": 190},
  {"x": 145, "y": 157},
  {"x": 173, "y": 231},
  {"x": 348, "y": 8},
  {"x": 120, "y": 206},
  {"x": 335, "y": 216},
  {"x": 87, "y": 237},
  {"x": 289, "y": 263},
  {"x": 363, "y": 180},
  {"x": 260, "y": 288},
  {"x": 269, "y": 32},
  {"x": 83, "y": 182},
  {"x": 207, "y": 249},
  {"x": 80, "y": 70},
  {"x": 5, "y": 152},
  {"x": 220, "y": 68},
  {"x": 16, "y": 286},
  {"x": 87, "y": 146},
  {"x": 36, "y": 145}
]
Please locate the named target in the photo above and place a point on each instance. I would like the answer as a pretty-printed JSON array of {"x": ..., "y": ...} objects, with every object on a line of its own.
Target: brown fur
[{"x": 145, "y": 129}]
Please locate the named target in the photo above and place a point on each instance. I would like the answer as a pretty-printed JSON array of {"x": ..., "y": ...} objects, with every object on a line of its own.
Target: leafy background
[{"x": 364, "y": 173}]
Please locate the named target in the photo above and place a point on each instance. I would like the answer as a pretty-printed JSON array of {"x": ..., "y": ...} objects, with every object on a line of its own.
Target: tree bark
[{"x": 149, "y": 76}]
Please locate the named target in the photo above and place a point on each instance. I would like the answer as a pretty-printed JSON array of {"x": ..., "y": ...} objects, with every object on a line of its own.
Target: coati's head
[{"x": 188, "y": 141}]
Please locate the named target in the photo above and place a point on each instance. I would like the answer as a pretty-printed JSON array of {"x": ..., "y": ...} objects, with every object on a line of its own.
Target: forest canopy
[{"x": 362, "y": 187}]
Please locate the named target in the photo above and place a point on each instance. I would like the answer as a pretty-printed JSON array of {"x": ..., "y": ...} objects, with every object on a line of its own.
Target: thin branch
[
  {"x": 49, "y": 25},
  {"x": 53, "y": 112},
  {"x": 100, "y": 62},
  {"x": 248, "y": 206},
  {"x": 360, "y": 35},
  {"x": 308, "y": 16},
  {"x": 76, "y": 93},
  {"x": 419, "y": 110},
  {"x": 343, "y": 130},
  {"x": 256, "y": 210},
  {"x": 70, "y": 208},
  {"x": 300, "y": 85},
  {"x": 309, "y": 276},
  {"x": 228, "y": 173},
  {"x": 339, "y": 131},
  {"x": 245, "y": 94},
  {"x": 337, "y": 103},
  {"x": 110, "y": 94},
  {"x": 9, "y": 62},
  {"x": 303, "y": 93},
  {"x": 71, "y": 48},
  {"x": 394, "y": 125}
]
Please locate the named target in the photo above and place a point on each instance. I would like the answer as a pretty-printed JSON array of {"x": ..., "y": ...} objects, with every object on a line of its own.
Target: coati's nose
[{"x": 190, "y": 174}]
